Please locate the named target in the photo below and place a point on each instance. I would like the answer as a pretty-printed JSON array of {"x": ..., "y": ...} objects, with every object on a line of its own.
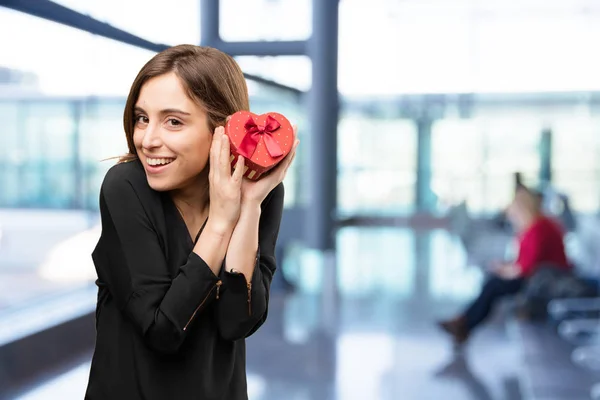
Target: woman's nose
[{"x": 151, "y": 137}]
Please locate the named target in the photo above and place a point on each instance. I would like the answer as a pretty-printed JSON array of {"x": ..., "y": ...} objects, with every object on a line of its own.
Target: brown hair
[{"x": 211, "y": 78}]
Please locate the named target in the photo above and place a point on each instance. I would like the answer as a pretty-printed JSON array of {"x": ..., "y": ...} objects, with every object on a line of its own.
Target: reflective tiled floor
[{"x": 367, "y": 332}]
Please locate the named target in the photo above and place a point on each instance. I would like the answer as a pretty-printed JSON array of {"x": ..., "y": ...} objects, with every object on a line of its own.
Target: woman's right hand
[{"x": 224, "y": 187}]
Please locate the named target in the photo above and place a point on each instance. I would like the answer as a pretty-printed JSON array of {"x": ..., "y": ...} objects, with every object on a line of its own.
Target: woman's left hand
[
  {"x": 254, "y": 192},
  {"x": 508, "y": 271}
]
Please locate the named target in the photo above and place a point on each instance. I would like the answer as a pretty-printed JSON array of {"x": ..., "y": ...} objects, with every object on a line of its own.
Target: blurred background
[{"x": 414, "y": 118}]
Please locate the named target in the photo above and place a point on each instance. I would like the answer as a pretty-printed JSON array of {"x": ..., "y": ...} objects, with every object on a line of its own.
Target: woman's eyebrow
[
  {"x": 163, "y": 112},
  {"x": 174, "y": 111}
]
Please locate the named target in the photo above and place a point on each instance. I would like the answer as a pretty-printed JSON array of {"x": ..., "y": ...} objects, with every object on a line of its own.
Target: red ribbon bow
[{"x": 255, "y": 132}]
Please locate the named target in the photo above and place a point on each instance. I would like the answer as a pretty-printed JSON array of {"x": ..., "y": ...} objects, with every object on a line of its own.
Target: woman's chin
[{"x": 161, "y": 184}]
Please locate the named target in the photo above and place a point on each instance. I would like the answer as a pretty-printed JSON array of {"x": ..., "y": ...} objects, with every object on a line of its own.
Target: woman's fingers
[
  {"x": 225, "y": 156},
  {"x": 239, "y": 169},
  {"x": 215, "y": 149},
  {"x": 290, "y": 158}
]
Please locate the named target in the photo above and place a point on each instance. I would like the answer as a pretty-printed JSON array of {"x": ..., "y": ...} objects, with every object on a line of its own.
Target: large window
[
  {"x": 475, "y": 159},
  {"x": 477, "y": 146},
  {"x": 576, "y": 159},
  {"x": 376, "y": 171},
  {"x": 369, "y": 262}
]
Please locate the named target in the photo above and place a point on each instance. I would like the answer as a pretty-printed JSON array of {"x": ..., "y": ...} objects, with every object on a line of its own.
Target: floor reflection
[
  {"x": 371, "y": 336},
  {"x": 458, "y": 369}
]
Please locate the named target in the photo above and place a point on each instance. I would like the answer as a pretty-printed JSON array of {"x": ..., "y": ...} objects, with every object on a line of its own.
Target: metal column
[
  {"x": 424, "y": 195},
  {"x": 323, "y": 113},
  {"x": 546, "y": 157},
  {"x": 209, "y": 23}
]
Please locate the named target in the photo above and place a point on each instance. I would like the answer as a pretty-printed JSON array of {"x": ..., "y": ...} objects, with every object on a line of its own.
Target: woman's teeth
[{"x": 159, "y": 161}]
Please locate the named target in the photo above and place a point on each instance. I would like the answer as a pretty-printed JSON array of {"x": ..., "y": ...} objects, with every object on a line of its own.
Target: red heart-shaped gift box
[{"x": 264, "y": 140}]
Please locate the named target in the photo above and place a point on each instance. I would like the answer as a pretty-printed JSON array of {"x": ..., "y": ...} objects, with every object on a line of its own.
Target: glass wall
[
  {"x": 475, "y": 159},
  {"x": 477, "y": 145},
  {"x": 576, "y": 159},
  {"x": 376, "y": 165},
  {"x": 56, "y": 150},
  {"x": 523, "y": 50},
  {"x": 384, "y": 271}
]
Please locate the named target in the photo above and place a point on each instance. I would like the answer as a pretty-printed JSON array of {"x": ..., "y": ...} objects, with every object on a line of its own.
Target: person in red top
[{"x": 540, "y": 244}]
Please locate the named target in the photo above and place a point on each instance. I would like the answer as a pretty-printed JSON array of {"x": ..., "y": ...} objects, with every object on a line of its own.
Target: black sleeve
[
  {"x": 130, "y": 260},
  {"x": 243, "y": 308}
]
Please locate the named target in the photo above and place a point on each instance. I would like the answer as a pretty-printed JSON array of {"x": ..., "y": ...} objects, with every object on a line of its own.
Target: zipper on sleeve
[
  {"x": 249, "y": 285},
  {"x": 218, "y": 288},
  {"x": 217, "y": 285}
]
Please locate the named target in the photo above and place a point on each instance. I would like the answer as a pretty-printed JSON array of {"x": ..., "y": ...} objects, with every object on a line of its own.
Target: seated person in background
[{"x": 540, "y": 243}]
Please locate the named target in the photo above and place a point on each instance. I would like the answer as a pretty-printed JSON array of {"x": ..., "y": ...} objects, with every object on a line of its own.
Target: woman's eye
[
  {"x": 141, "y": 118},
  {"x": 174, "y": 122}
]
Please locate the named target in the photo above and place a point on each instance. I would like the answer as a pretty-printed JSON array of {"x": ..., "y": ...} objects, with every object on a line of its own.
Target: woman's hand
[
  {"x": 496, "y": 265},
  {"x": 224, "y": 187},
  {"x": 254, "y": 192},
  {"x": 508, "y": 271}
]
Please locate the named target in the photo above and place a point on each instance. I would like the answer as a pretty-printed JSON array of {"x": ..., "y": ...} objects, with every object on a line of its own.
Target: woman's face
[
  {"x": 515, "y": 214},
  {"x": 171, "y": 134}
]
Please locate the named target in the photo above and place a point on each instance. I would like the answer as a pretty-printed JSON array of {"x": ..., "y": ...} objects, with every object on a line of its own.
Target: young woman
[{"x": 186, "y": 255}]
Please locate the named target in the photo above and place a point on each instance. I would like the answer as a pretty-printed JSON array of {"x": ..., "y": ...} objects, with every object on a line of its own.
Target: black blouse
[{"x": 166, "y": 326}]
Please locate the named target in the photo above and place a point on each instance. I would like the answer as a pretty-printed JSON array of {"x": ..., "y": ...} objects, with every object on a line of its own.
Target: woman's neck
[
  {"x": 529, "y": 220},
  {"x": 192, "y": 200}
]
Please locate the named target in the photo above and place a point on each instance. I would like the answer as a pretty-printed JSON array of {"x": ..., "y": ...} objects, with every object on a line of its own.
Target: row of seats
[
  {"x": 579, "y": 324},
  {"x": 561, "y": 354},
  {"x": 578, "y": 320}
]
